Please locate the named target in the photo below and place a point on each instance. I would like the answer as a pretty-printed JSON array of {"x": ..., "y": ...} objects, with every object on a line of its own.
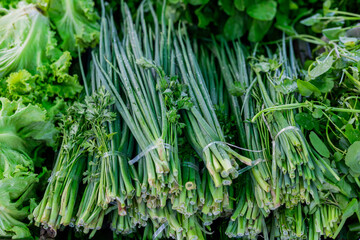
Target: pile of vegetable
[{"x": 179, "y": 119}]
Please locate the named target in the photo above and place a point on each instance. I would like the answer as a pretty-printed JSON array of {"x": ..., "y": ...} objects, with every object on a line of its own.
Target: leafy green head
[
  {"x": 76, "y": 23},
  {"x": 24, "y": 127},
  {"x": 26, "y": 40}
]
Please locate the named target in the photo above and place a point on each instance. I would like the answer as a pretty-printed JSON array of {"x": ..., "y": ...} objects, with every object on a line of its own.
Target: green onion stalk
[
  {"x": 166, "y": 223},
  {"x": 306, "y": 222},
  {"x": 324, "y": 221},
  {"x": 244, "y": 104},
  {"x": 191, "y": 198},
  {"x": 289, "y": 223},
  {"x": 136, "y": 216},
  {"x": 117, "y": 175},
  {"x": 78, "y": 141},
  {"x": 297, "y": 169},
  {"x": 138, "y": 89},
  {"x": 202, "y": 126},
  {"x": 90, "y": 216},
  {"x": 216, "y": 87},
  {"x": 221, "y": 101},
  {"x": 247, "y": 219},
  {"x": 108, "y": 175},
  {"x": 219, "y": 201},
  {"x": 110, "y": 178}
]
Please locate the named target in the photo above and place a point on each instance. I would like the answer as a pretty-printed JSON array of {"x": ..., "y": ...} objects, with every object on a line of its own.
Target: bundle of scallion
[
  {"x": 215, "y": 85},
  {"x": 202, "y": 126},
  {"x": 247, "y": 219},
  {"x": 126, "y": 222},
  {"x": 308, "y": 221},
  {"x": 167, "y": 224},
  {"x": 244, "y": 104},
  {"x": 147, "y": 98},
  {"x": 297, "y": 169}
]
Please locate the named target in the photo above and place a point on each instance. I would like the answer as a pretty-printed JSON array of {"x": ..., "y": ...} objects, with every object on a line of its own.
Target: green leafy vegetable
[
  {"x": 26, "y": 40},
  {"x": 31, "y": 66},
  {"x": 318, "y": 145},
  {"x": 322, "y": 67},
  {"x": 264, "y": 10},
  {"x": 352, "y": 158},
  {"x": 14, "y": 195},
  {"x": 22, "y": 128},
  {"x": 76, "y": 23},
  {"x": 306, "y": 88}
]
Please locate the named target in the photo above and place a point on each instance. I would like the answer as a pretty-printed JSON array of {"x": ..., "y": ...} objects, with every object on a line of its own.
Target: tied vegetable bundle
[
  {"x": 150, "y": 115},
  {"x": 83, "y": 135},
  {"x": 131, "y": 72}
]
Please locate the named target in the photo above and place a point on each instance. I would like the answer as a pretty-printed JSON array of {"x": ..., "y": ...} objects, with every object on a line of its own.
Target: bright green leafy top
[{"x": 76, "y": 23}]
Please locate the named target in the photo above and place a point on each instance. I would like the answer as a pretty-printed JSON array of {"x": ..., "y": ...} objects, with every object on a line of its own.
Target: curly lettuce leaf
[
  {"x": 13, "y": 162},
  {"x": 14, "y": 196},
  {"x": 49, "y": 88},
  {"x": 26, "y": 40},
  {"x": 24, "y": 127},
  {"x": 63, "y": 84},
  {"x": 76, "y": 23}
]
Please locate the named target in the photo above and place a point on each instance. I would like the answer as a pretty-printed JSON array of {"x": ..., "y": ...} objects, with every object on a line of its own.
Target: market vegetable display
[{"x": 135, "y": 120}]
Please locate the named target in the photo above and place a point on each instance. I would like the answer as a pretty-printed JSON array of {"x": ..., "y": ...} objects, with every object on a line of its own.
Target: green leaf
[
  {"x": 21, "y": 82},
  {"x": 264, "y": 10},
  {"x": 204, "y": 16},
  {"x": 76, "y": 23},
  {"x": 318, "y": 145},
  {"x": 327, "y": 6},
  {"x": 348, "y": 41},
  {"x": 322, "y": 67},
  {"x": 234, "y": 27},
  {"x": 286, "y": 86},
  {"x": 228, "y": 6},
  {"x": 345, "y": 188},
  {"x": 312, "y": 20},
  {"x": 352, "y": 159},
  {"x": 26, "y": 41},
  {"x": 338, "y": 156},
  {"x": 305, "y": 120},
  {"x": 258, "y": 29},
  {"x": 352, "y": 134},
  {"x": 323, "y": 84},
  {"x": 289, "y": 30},
  {"x": 317, "y": 113},
  {"x": 332, "y": 33},
  {"x": 14, "y": 192},
  {"x": 306, "y": 88},
  {"x": 241, "y": 4},
  {"x": 283, "y": 23},
  {"x": 347, "y": 212}
]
